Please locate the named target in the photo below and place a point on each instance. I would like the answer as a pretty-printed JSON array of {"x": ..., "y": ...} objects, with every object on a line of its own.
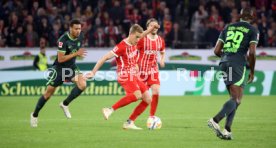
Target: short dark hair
[
  {"x": 247, "y": 14},
  {"x": 74, "y": 21},
  {"x": 135, "y": 28},
  {"x": 151, "y": 20}
]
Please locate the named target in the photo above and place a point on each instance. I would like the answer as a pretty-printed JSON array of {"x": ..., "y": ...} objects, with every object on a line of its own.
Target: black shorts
[
  {"x": 234, "y": 73},
  {"x": 58, "y": 75}
]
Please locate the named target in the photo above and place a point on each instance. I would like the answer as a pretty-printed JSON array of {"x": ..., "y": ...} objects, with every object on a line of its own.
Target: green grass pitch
[{"x": 184, "y": 124}]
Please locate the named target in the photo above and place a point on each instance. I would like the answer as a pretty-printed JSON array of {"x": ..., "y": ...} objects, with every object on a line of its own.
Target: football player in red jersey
[
  {"x": 149, "y": 47},
  {"x": 126, "y": 58}
]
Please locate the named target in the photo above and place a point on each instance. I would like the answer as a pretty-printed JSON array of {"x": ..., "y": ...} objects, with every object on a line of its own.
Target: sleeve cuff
[
  {"x": 221, "y": 40},
  {"x": 254, "y": 42},
  {"x": 61, "y": 51},
  {"x": 114, "y": 54}
]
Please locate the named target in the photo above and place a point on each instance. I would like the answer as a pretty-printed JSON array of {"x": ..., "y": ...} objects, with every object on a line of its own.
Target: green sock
[
  {"x": 40, "y": 103},
  {"x": 74, "y": 94}
]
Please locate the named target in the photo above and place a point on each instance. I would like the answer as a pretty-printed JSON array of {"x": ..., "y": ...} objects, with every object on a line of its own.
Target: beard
[{"x": 153, "y": 33}]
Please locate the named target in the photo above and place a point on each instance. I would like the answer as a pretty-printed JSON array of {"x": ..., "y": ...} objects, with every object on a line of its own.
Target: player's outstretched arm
[
  {"x": 218, "y": 48},
  {"x": 149, "y": 30},
  {"x": 252, "y": 61},
  {"x": 63, "y": 58},
  {"x": 99, "y": 64}
]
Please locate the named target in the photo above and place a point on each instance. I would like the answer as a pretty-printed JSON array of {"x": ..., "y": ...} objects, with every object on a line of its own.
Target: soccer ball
[{"x": 154, "y": 122}]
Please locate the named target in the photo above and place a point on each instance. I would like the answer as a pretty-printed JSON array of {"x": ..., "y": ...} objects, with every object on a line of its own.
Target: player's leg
[
  {"x": 154, "y": 84},
  {"x": 40, "y": 103},
  {"x": 80, "y": 82},
  {"x": 227, "y": 108},
  {"x": 140, "y": 108},
  {"x": 155, "y": 98},
  {"x": 129, "y": 98},
  {"x": 236, "y": 92},
  {"x": 132, "y": 95},
  {"x": 213, "y": 122},
  {"x": 54, "y": 81}
]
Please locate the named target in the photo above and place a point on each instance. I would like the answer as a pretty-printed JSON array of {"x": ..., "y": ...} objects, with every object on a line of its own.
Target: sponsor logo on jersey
[
  {"x": 131, "y": 55},
  {"x": 150, "y": 52},
  {"x": 60, "y": 44}
]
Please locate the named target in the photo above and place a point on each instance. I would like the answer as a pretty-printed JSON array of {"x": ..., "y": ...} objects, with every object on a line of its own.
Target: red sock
[
  {"x": 153, "y": 104},
  {"x": 138, "y": 110},
  {"x": 124, "y": 101}
]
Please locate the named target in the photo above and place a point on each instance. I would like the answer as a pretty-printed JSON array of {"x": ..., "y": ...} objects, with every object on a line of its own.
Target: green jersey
[
  {"x": 236, "y": 38},
  {"x": 68, "y": 45}
]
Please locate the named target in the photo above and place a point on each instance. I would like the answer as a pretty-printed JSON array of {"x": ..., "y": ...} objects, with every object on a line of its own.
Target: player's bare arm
[
  {"x": 63, "y": 58},
  {"x": 162, "y": 59},
  {"x": 150, "y": 29},
  {"x": 218, "y": 48},
  {"x": 252, "y": 60},
  {"x": 99, "y": 64}
]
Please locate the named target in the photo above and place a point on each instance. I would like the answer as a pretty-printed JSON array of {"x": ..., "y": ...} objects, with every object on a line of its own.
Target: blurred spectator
[
  {"x": 40, "y": 61},
  {"x": 117, "y": 12},
  {"x": 197, "y": 22},
  {"x": 234, "y": 15},
  {"x": 215, "y": 17},
  {"x": 263, "y": 28},
  {"x": 175, "y": 37},
  {"x": 212, "y": 33},
  {"x": 100, "y": 38},
  {"x": 135, "y": 17},
  {"x": 2, "y": 34},
  {"x": 88, "y": 12},
  {"x": 54, "y": 35},
  {"x": 44, "y": 28},
  {"x": 19, "y": 40},
  {"x": 112, "y": 32},
  {"x": 271, "y": 38},
  {"x": 167, "y": 23},
  {"x": 226, "y": 7},
  {"x": 13, "y": 21},
  {"x": 31, "y": 36}
]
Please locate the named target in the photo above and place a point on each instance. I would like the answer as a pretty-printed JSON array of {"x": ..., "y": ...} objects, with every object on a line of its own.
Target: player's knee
[
  {"x": 155, "y": 90},
  {"x": 82, "y": 84},
  {"x": 147, "y": 98},
  {"x": 47, "y": 95},
  {"x": 138, "y": 94},
  {"x": 236, "y": 99}
]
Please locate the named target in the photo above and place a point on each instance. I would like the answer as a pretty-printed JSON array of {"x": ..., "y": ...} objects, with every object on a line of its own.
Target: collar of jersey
[
  {"x": 241, "y": 20},
  {"x": 125, "y": 40},
  {"x": 151, "y": 38},
  {"x": 70, "y": 37}
]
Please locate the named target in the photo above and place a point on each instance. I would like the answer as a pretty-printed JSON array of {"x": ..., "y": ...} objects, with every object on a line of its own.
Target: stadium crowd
[{"x": 184, "y": 23}]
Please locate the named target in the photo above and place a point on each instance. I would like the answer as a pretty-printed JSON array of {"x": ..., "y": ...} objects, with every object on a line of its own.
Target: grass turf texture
[{"x": 184, "y": 123}]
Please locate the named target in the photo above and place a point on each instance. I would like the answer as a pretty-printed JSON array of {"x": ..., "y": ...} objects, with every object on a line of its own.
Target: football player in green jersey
[
  {"x": 232, "y": 46},
  {"x": 64, "y": 69}
]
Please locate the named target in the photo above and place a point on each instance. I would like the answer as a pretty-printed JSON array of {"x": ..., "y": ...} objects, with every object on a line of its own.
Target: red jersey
[
  {"x": 148, "y": 49},
  {"x": 126, "y": 58}
]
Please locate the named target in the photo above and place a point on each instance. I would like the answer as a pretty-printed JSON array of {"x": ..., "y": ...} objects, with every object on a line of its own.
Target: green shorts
[
  {"x": 234, "y": 73},
  {"x": 58, "y": 75}
]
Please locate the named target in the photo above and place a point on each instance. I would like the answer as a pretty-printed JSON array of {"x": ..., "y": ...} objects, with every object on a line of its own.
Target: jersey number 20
[{"x": 233, "y": 41}]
